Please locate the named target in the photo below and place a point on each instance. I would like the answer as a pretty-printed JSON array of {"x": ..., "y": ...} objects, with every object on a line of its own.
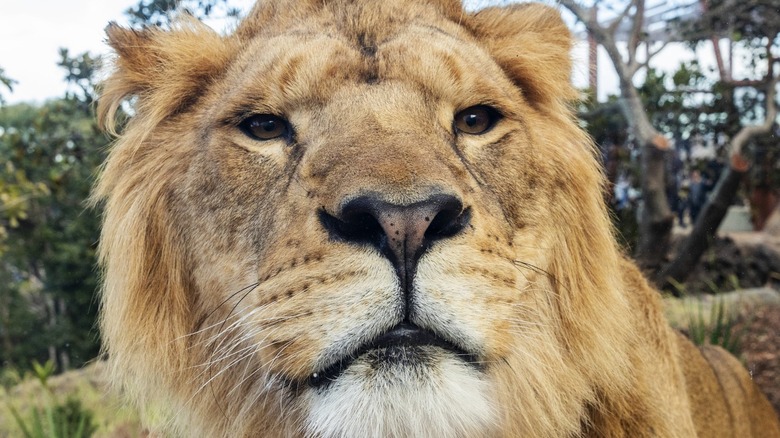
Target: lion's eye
[
  {"x": 476, "y": 119},
  {"x": 264, "y": 127}
]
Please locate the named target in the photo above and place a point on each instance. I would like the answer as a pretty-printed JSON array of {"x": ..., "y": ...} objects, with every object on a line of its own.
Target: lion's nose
[{"x": 400, "y": 232}]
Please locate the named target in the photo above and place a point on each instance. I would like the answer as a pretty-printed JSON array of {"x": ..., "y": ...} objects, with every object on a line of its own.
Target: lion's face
[{"x": 356, "y": 220}]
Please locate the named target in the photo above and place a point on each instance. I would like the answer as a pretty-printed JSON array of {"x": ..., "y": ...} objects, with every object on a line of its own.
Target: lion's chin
[
  {"x": 403, "y": 391},
  {"x": 403, "y": 347}
]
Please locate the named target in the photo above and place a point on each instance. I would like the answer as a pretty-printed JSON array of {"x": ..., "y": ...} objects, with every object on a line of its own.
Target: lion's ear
[
  {"x": 165, "y": 69},
  {"x": 532, "y": 44}
]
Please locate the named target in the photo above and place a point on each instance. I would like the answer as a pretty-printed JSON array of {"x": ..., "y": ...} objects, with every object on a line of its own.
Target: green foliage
[
  {"x": 47, "y": 236},
  {"x": 743, "y": 20},
  {"x": 719, "y": 328},
  {"x": 9, "y": 377},
  {"x": 6, "y": 82},
  {"x": 159, "y": 12},
  {"x": 110, "y": 415},
  {"x": 80, "y": 71},
  {"x": 57, "y": 419},
  {"x": 43, "y": 372},
  {"x": 604, "y": 121},
  {"x": 752, "y": 27},
  {"x": 49, "y": 156},
  {"x": 686, "y": 102}
]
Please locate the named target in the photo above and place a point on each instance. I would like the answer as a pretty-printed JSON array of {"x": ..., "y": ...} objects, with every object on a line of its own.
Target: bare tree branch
[
  {"x": 724, "y": 73},
  {"x": 615, "y": 24},
  {"x": 682, "y": 91},
  {"x": 652, "y": 53},
  {"x": 752, "y": 83},
  {"x": 636, "y": 65},
  {"x": 635, "y": 37},
  {"x": 582, "y": 14}
]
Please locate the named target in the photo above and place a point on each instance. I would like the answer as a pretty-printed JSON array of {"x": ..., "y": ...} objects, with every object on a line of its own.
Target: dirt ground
[
  {"x": 745, "y": 260},
  {"x": 760, "y": 324},
  {"x": 761, "y": 349}
]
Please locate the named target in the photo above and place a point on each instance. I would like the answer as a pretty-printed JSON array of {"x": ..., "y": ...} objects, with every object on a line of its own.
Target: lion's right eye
[
  {"x": 264, "y": 127},
  {"x": 476, "y": 120}
]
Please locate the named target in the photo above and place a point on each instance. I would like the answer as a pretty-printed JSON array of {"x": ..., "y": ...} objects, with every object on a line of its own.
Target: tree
[
  {"x": 50, "y": 155},
  {"x": 6, "y": 82},
  {"x": 159, "y": 12},
  {"x": 754, "y": 25},
  {"x": 656, "y": 219},
  {"x": 47, "y": 236}
]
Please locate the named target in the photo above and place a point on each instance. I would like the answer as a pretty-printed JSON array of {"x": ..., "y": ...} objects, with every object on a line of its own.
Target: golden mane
[{"x": 339, "y": 184}]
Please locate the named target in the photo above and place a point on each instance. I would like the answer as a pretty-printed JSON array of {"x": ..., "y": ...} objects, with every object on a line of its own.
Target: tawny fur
[{"x": 223, "y": 292}]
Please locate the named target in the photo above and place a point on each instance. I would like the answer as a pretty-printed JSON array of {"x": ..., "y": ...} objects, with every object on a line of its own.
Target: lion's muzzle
[{"x": 402, "y": 233}]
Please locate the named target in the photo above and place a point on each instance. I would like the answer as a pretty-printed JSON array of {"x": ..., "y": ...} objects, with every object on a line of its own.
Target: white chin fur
[{"x": 444, "y": 397}]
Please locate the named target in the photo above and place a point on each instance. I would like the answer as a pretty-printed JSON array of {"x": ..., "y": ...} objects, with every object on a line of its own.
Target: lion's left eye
[
  {"x": 264, "y": 127},
  {"x": 476, "y": 120}
]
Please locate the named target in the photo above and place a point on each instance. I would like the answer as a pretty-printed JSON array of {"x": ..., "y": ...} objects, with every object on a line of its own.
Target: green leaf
[{"x": 19, "y": 421}]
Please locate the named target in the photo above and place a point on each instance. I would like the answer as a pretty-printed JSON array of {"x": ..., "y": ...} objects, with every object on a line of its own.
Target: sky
[{"x": 33, "y": 31}]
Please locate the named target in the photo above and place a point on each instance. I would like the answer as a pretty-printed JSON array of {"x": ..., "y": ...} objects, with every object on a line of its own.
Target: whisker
[
  {"x": 248, "y": 290},
  {"x": 538, "y": 270}
]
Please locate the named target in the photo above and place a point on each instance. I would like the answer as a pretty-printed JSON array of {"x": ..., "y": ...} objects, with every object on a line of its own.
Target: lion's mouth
[{"x": 403, "y": 345}]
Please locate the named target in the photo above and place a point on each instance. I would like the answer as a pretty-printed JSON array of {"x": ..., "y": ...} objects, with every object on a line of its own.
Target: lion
[{"x": 381, "y": 219}]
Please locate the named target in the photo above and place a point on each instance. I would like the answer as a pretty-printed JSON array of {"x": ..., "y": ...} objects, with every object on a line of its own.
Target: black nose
[{"x": 401, "y": 232}]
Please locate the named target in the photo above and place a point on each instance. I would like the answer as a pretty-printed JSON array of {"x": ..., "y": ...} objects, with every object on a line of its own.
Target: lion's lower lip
[{"x": 398, "y": 345}]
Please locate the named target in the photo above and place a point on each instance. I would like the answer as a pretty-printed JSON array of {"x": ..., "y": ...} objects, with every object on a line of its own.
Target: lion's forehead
[{"x": 284, "y": 72}]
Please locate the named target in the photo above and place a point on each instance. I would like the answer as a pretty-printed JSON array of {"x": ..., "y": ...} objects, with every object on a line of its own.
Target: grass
[
  {"x": 57, "y": 419},
  {"x": 718, "y": 329},
  {"x": 715, "y": 322},
  {"x": 41, "y": 406}
]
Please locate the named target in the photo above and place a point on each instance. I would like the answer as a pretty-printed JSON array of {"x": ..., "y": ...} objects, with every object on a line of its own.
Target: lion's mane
[{"x": 233, "y": 278}]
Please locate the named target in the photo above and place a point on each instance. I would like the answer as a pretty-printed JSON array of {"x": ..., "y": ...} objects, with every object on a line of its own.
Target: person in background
[{"x": 696, "y": 195}]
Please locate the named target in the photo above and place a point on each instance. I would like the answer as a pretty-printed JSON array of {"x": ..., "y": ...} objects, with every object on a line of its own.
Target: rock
[{"x": 731, "y": 264}]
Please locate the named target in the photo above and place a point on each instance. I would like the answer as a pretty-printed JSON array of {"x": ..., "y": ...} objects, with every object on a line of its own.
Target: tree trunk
[
  {"x": 52, "y": 324},
  {"x": 5, "y": 328},
  {"x": 656, "y": 218},
  {"x": 64, "y": 352},
  {"x": 704, "y": 230}
]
